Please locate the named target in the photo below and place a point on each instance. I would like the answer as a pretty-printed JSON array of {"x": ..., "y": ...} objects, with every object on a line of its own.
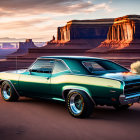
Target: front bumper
[{"x": 129, "y": 99}]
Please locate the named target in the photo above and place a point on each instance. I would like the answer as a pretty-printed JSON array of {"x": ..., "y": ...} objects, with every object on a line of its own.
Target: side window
[
  {"x": 59, "y": 66},
  {"x": 43, "y": 66}
]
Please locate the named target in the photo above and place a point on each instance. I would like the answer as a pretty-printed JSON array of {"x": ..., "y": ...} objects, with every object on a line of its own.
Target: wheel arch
[{"x": 67, "y": 89}]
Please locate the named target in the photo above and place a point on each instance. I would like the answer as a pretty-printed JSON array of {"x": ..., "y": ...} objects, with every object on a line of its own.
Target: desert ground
[{"x": 49, "y": 120}]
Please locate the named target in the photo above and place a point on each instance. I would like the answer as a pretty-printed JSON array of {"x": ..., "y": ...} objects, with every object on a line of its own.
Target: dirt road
[{"x": 33, "y": 119}]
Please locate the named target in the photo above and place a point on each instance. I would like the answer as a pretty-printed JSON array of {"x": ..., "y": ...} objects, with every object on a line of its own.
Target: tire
[
  {"x": 8, "y": 93},
  {"x": 79, "y": 104},
  {"x": 122, "y": 107}
]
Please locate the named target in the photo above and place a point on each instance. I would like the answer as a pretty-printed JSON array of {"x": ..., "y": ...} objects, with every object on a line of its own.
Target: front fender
[
  {"x": 12, "y": 77},
  {"x": 1, "y": 81}
]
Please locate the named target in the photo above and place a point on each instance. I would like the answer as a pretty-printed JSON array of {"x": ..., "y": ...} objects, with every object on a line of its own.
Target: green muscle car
[{"x": 82, "y": 82}]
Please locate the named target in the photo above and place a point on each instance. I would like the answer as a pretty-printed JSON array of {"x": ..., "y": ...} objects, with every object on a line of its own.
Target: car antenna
[{"x": 16, "y": 64}]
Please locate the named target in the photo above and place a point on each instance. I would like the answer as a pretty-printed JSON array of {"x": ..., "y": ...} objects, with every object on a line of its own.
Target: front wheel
[
  {"x": 8, "y": 93},
  {"x": 79, "y": 104}
]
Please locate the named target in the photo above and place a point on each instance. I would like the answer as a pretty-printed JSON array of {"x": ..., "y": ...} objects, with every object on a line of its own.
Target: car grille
[{"x": 132, "y": 88}]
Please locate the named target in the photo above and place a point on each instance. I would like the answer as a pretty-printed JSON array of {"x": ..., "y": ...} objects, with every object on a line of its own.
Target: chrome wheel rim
[
  {"x": 76, "y": 103},
  {"x": 6, "y": 91}
]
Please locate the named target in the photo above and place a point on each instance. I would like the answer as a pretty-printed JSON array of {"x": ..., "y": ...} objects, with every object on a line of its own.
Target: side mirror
[{"x": 30, "y": 70}]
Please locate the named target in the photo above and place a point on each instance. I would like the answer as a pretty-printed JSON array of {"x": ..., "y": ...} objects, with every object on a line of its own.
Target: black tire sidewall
[{"x": 88, "y": 104}]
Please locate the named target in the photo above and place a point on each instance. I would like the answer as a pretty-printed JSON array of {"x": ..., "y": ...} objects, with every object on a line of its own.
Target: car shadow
[
  {"x": 99, "y": 112},
  {"x": 109, "y": 113},
  {"x": 39, "y": 100}
]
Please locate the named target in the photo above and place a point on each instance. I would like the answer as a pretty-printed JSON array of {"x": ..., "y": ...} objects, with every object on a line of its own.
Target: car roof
[{"x": 72, "y": 57}]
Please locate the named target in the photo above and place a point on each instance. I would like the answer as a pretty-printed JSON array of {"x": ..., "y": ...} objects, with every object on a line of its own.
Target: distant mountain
[
  {"x": 8, "y": 39},
  {"x": 5, "y": 52}
]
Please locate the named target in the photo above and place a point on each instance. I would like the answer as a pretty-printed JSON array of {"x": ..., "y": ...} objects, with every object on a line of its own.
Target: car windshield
[{"x": 103, "y": 66}]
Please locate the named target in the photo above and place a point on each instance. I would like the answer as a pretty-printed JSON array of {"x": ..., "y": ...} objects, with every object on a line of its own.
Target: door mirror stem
[{"x": 30, "y": 71}]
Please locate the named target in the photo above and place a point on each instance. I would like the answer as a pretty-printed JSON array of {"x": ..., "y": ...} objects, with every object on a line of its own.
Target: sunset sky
[{"x": 39, "y": 19}]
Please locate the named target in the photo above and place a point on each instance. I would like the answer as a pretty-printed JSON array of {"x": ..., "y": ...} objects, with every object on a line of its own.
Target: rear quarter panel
[{"x": 98, "y": 88}]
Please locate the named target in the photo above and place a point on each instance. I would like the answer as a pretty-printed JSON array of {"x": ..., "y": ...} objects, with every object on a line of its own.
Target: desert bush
[{"x": 135, "y": 67}]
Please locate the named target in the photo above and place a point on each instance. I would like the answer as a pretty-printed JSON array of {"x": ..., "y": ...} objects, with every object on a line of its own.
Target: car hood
[
  {"x": 123, "y": 76},
  {"x": 15, "y": 71}
]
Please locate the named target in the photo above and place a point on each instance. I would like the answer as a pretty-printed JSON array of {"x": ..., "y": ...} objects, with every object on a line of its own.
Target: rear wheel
[
  {"x": 8, "y": 93},
  {"x": 79, "y": 104},
  {"x": 122, "y": 107}
]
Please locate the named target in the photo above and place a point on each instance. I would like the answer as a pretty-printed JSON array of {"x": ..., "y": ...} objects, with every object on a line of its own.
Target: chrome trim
[
  {"x": 133, "y": 96},
  {"x": 123, "y": 87},
  {"x": 6, "y": 92},
  {"x": 129, "y": 99},
  {"x": 76, "y": 106},
  {"x": 80, "y": 90},
  {"x": 11, "y": 84}
]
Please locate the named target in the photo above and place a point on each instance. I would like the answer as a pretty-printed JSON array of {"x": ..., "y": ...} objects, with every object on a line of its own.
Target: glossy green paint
[
  {"x": 97, "y": 88},
  {"x": 34, "y": 84},
  {"x": 53, "y": 86}
]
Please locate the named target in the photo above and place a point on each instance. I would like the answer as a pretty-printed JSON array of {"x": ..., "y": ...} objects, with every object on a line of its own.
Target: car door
[
  {"x": 58, "y": 78},
  {"x": 36, "y": 81}
]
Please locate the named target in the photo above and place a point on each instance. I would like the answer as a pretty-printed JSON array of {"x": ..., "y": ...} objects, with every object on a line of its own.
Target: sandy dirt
[{"x": 35, "y": 119}]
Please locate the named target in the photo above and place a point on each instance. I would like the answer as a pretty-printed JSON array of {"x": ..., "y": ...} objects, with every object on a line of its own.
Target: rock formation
[
  {"x": 123, "y": 34},
  {"x": 24, "y": 46},
  {"x": 84, "y": 29},
  {"x": 77, "y": 36}
]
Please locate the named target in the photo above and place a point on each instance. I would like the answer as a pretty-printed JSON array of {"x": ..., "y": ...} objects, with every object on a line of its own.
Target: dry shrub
[{"x": 135, "y": 67}]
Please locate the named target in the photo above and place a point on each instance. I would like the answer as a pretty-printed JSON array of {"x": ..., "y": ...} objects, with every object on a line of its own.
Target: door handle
[{"x": 47, "y": 78}]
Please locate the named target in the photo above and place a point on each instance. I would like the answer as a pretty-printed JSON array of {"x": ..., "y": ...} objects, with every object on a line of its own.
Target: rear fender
[{"x": 72, "y": 87}]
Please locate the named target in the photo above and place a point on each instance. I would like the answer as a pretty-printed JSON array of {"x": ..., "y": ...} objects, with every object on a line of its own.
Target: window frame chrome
[{"x": 54, "y": 59}]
